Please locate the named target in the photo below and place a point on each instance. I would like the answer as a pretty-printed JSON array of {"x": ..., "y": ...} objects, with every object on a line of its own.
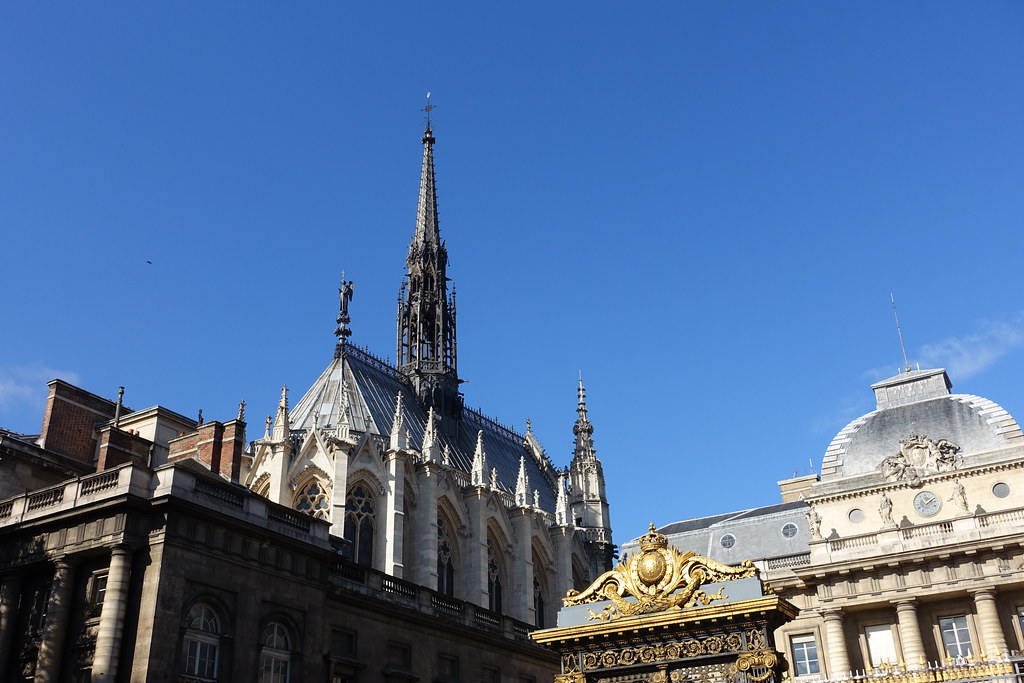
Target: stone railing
[
  {"x": 1006, "y": 669},
  {"x": 789, "y": 561},
  {"x": 347, "y": 575},
  {"x": 908, "y": 538},
  {"x": 174, "y": 480},
  {"x": 91, "y": 488}
]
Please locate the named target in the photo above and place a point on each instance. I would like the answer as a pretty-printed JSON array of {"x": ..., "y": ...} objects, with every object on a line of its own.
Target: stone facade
[{"x": 906, "y": 550}]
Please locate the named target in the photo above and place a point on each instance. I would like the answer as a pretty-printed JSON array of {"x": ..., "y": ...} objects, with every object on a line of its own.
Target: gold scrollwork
[
  {"x": 757, "y": 665},
  {"x": 574, "y": 677},
  {"x": 659, "y": 578},
  {"x": 661, "y": 652}
]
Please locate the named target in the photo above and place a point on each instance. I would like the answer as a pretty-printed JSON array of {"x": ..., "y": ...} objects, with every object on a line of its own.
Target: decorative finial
[
  {"x": 429, "y": 108},
  {"x": 529, "y": 426},
  {"x": 652, "y": 539},
  {"x": 241, "y": 411},
  {"x": 266, "y": 431}
]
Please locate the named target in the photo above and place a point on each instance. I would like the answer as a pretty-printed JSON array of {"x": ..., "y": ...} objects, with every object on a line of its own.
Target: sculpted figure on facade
[
  {"x": 885, "y": 510},
  {"x": 959, "y": 496},
  {"x": 813, "y": 522}
]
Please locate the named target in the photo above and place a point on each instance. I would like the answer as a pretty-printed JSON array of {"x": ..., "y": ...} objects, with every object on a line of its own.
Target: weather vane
[{"x": 429, "y": 108}]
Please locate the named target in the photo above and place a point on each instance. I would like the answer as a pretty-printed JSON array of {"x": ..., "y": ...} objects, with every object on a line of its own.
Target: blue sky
[{"x": 702, "y": 206}]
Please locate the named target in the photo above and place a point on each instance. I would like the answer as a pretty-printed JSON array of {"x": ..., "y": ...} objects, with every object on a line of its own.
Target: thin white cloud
[
  {"x": 968, "y": 355},
  {"x": 24, "y": 388},
  {"x": 964, "y": 356}
]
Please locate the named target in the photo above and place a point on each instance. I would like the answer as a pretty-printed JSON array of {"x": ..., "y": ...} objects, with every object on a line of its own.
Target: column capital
[
  {"x": 832, "y": 614},
  {"x": 906, "y": 603},
  {"x": 984, "y": 593}
]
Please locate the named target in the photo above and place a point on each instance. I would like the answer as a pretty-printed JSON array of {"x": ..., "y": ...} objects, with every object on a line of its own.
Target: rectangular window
[
  {"x": 881, "y": 646},
  {"x": 490, "y": 675},
  {"x": 805, "y": 655},
  {"x": 98, "y": 589},
  {"x": 956, "y": 637}
]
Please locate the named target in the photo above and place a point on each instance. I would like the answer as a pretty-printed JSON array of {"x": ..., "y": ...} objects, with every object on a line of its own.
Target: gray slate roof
[{"x": 373, "y": 386}]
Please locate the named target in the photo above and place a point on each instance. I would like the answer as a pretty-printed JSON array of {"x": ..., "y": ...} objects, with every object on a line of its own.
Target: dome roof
[{"x": 918, "y": 421}]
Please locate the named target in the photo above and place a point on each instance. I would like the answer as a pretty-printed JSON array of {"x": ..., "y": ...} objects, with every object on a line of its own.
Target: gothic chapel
[{"x": 422, "y": 487}]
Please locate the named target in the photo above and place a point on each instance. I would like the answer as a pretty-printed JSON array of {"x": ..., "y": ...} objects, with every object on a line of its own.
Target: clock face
[{"x": 927, "y": 503}]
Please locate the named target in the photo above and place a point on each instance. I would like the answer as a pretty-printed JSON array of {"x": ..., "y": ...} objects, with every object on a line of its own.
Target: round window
[
  {"x": 728, "y": 541},
  {"x": 789, "y": 530},
  {"x": 1001, "y": 490},
  {"x": 856, "y": 515}
]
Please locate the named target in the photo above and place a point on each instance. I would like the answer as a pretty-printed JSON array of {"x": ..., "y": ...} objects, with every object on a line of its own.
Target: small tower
[
  {"x": 426, "y": 314},
  {"x": 588, "y": 502}
]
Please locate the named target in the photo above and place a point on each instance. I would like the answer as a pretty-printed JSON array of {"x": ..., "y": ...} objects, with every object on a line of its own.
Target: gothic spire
[
  {"x": 281, "y": 427},
  {"x": 399, "y": 438},
  {"x": 583, "y": 430},
  {"x": 426, "y": 313},
  {"x": 479, "y": 470},
  {"x": 562, "y": 517},
  {"x": 430, "y": 449},
  {"x": 522, "y": 485}
]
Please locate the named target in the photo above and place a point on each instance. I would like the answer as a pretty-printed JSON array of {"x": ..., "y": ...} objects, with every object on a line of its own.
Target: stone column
[
  {"x": 115, "y": 603},
  {"x": 56, "y": 624},
  {"x": 424, "y": 524},
  {"x": 522, "y": 567},
  {"x": 10, "y": 592},
  {"x": 838, "y": 659},
  {"x": 561, "y": 537},
  {"x": 394, "y": 514},
  {"x": 988, "y": 623},
  {"x": 910, "y": 633},
  {"x": 474, "y": 550}
]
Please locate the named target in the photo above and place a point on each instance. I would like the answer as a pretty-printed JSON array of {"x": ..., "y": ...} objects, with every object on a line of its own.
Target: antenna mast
[{"x": 906, "y": 363}]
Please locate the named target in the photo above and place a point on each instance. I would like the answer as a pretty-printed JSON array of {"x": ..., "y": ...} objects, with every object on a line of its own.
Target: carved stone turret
[{"x": 588, "y": 501}]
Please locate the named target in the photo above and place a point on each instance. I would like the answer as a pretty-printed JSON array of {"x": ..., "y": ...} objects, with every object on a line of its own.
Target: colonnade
[
  {"x": 52, "y": 646},
  {"x": 908, "y": 626}
]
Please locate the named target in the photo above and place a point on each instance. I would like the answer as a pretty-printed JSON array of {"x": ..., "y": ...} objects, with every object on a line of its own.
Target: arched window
[
  {"x": 445, "y": 562},
  {"x": 201, "y": 650},
  {"x": 493, "y": 578},
  {"x": 313, "y": 500},
  {"x": 275, "y": 654},
  {"x": 360, "y": 519}
]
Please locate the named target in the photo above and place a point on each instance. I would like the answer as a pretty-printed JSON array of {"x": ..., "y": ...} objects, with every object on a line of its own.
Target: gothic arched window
[
  {"x": 445, "y": 561},
  {"x": 201, "y": 650},
  {"x": 493, "y": 579},
  {"x": 275, "y": 654},
  {"x": 360, "y": 521},
  {"x": 313, "y": 500}
]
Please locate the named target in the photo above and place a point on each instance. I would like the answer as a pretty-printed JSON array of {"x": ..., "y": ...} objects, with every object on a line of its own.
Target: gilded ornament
[
  {"x": 659, "y": 578},
  {"x": 757, "y": 665}
]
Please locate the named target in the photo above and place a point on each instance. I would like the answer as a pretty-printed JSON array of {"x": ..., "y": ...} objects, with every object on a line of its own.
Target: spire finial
[
  {"x": 241, "y": 411},
  {"x": 583, "y": 430},
  {"x": 281, "y": 426},
  {"x": 906, "y": 363},
  {"x": 522, "y": 485},
  {"x": 479, "y": 469},
  {"x": 429, "y": 108}
]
